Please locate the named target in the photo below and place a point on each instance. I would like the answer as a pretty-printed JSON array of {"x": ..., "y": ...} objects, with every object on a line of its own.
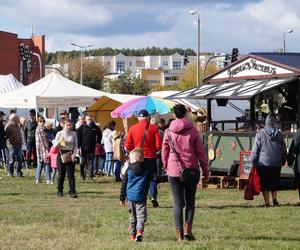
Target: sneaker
[
  {"x": 51, "y": 183},
  {"x": 48, "y": 182},
  {"x": 154, "y": 203},
  {"x": 139, "y": 235},
  {"x": 37, "y": 181},
  {"x": 132, "y": 237},
  {"x": 275, "y": 202},
  {"x": 20, "y": 174},
  {"x": 60, "y": 194},
  {"x": 74, "y": 196}
]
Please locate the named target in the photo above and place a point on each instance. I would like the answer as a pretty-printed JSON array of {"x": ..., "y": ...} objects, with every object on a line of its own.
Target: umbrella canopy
[{"x": 151, "y": 104}]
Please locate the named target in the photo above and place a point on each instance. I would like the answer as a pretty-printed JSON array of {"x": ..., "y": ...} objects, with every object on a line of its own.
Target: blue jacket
[{"x": 135, "y": 183}]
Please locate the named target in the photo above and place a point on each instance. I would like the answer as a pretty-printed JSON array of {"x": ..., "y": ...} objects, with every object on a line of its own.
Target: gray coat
[{"x": 269, "y": 148}]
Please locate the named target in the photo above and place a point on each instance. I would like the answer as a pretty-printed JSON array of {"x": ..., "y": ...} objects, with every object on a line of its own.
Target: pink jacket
[
  {"x": 188, "y": 145},
  {"x": 53, "y": 156}
]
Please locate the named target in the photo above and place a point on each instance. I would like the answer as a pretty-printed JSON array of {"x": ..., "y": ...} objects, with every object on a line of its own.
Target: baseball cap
[{"x": 143, "y": 113}]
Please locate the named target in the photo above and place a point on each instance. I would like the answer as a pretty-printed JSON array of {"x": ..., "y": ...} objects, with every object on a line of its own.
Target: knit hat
[{"x": 270, "y": 120}]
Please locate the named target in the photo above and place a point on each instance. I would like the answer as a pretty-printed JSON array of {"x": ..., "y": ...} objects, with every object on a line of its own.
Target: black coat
[
  {"x": 88, "y": 136},
  {"x": 30, "y": 132},
  {"x": 2, "y": 136}
]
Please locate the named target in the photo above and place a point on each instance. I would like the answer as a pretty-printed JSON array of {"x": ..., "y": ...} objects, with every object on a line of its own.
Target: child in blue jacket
[{"x": 135, "y": 185}]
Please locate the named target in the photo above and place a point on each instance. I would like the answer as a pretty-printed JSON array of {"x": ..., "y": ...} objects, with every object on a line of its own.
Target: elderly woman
[
  {"x": 42, "y": 147},
  {"x": 269, "y": 155},
  {"x": 183, "y": 148}
]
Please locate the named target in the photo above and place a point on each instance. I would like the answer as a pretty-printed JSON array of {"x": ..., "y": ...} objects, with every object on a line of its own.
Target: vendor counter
[{"x": 224, "y": 150}]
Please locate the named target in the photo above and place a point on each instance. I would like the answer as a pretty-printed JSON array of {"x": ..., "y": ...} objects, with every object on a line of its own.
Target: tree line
[{"x": 52, "y": 57}]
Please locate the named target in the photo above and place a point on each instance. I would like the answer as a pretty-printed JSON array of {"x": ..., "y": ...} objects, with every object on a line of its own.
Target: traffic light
[
  {"x": 185, "y": 58},
  {"x": 227, "y": 60},
  {"x": 234, "y": 54},
  {"x": 25, "y": 52}
]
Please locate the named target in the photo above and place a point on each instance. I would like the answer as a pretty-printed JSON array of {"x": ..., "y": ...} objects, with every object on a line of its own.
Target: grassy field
[{"x": 33, "y": 217}]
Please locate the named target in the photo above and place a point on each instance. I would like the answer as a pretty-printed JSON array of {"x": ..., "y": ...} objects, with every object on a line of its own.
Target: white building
[{"x": 172, "y": 66}]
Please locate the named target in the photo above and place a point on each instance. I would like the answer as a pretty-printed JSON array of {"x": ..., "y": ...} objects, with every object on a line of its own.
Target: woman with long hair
[{"x": 67, "y": 141}]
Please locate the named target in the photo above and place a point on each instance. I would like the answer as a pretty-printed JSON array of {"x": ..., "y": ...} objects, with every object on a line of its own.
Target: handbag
[
  {"x": 253, "y": 185},
  {"x": 66, "y": 157},
  {"x": 188, "y": 176}
]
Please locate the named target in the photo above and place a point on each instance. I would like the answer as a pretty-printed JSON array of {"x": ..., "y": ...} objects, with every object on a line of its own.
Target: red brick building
[{"x": 28, "y": 66}]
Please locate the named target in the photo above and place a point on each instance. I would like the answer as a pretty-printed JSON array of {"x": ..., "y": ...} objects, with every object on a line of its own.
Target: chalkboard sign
[{"x": 245, "y": 163}]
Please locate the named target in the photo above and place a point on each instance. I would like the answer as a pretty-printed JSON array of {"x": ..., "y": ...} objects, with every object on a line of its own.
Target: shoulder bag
[
  {"x": 66, "y": 157},
  {"x": 188, "y": 176}
]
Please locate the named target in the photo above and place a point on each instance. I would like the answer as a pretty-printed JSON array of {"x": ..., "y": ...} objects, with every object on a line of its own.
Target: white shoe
[
  {"x": 37, "y": 181},
  {"x": 48, "y": 181},
  {"x": 51, "y": 182}
]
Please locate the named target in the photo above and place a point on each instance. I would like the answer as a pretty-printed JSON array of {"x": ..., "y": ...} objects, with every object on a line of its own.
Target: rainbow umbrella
[{"x": 151, "y": 104}]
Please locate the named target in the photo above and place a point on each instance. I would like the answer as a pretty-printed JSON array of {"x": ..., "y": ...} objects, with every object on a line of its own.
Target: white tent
[
  {"x": 52, "y": 91},
  {"x": 9, "y": 83}
]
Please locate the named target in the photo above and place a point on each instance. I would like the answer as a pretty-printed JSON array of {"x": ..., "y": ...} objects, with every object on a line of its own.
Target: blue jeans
[
  {"x": 108, "y": 165},
  {"x": 39, "y": 168},
  {"x": 12, "y": 152},
  {"x": 117, "y": 166},
  {"x": 96, "y": 163},
  {"x": 151, "y": 165}
]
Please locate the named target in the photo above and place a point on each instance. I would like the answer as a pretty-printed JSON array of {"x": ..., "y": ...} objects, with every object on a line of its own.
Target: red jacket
[{"x": 152, "y": 142}]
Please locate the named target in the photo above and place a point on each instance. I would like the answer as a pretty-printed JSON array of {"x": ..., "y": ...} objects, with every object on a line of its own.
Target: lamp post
[
  {"x": 195, "y": 12},
  {"x": 81, "y": 48},
  {"x": 288, "y": 31}
]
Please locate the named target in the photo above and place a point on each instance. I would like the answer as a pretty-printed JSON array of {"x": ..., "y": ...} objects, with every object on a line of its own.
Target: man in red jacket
[{"x": 152, "y": 144}]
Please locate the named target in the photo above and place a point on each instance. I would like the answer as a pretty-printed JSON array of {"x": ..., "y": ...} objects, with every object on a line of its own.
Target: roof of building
[{"x": 289, "y": 59}]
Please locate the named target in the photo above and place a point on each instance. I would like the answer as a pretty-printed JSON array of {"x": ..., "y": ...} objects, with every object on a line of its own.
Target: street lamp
[
  {"x": 81, "y": 48},
  {"x": 288, "y": 31},
  {"x": 195, "y": 12}
]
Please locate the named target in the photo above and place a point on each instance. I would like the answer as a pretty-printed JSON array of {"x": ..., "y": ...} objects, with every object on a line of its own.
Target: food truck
[{"x": 268, "y": 82}]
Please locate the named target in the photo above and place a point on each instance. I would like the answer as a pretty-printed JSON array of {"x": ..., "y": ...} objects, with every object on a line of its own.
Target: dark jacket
[
  {"x": 2, "y": 135},
  {"x": 13, "y": 135},
  {"x": 30, "y": 131},
  {"x": 135, "y": 183},
  {"x": 294, "y": 153},
  {"x": 88, "y": 136},
  {"x": 50, "y": 135}
]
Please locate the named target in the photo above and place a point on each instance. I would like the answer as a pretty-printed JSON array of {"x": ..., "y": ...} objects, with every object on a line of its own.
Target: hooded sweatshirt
[
  {"x": 188, "y": 146},
  {"x": 269, "y": 148}
]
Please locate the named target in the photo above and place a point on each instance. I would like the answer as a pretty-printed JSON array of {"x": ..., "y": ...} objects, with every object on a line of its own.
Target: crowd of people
[{"x": 149, "y": 153}]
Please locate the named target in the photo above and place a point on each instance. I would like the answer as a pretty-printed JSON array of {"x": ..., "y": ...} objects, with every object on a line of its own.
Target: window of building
[
  {"x": 165, "y": 64},
  {"x": 130, "y": 64},
  {"x": 120, "y": 67},
  {"x": 177, "y": 65},
  {"x": 140, "y": 64}
]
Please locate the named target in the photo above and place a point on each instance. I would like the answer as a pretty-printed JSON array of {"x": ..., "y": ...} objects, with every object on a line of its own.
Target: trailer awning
[{"x": 242, "y": 90}]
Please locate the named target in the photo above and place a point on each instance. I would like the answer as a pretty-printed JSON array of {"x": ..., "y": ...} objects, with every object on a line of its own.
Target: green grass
[{"x": 33, "y": 217}]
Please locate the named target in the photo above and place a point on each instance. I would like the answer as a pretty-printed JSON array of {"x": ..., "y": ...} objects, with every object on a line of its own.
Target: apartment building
[{"x": 164, "y": 70}]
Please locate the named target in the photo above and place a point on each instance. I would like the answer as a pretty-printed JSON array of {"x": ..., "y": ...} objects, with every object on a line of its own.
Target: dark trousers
[
  {"x": 31, "y": 149},
  {"x": 183, "y": 196},
  {"x": 86, "y": 163},
  {"x": 64, "y": 168},
  {"x": 151, "y": 165}
]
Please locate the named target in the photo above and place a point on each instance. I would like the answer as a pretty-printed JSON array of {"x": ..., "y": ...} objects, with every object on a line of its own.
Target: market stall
[{"x": 270, "y": 83}]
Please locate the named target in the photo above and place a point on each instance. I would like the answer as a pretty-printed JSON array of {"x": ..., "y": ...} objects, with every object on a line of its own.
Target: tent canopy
[
  {"x": 238, "y": 90},
  {"x": 52, "y": 91},
  {"x": 9, "y": 83},
  {"x": 105, "y": 105}
]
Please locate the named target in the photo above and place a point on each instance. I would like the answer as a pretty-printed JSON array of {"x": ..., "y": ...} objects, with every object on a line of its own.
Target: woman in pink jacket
[{"x": 190, "y": 152}]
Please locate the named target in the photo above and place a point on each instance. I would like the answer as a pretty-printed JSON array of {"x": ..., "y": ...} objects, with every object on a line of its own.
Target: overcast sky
[{"x": 250, "y": 25}]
